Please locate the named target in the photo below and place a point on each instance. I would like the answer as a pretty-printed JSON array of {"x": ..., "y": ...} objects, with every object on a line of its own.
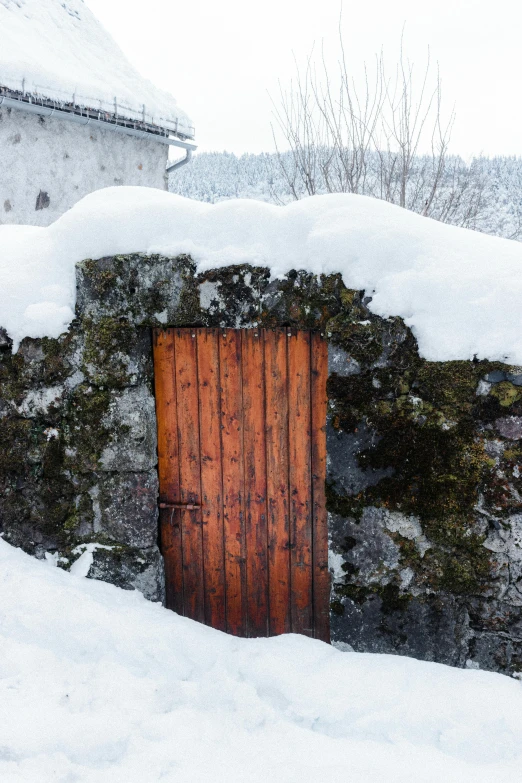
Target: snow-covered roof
[
  {"x": 56, "y": 50},
  {"x": 459, "y": 291}
]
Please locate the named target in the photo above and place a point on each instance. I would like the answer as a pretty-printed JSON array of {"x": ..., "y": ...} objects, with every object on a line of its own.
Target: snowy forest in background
[{"x": 484, "y": 194}]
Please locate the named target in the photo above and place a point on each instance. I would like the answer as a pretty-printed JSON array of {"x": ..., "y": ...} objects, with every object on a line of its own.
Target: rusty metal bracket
[{"x": 187, "y": 506}]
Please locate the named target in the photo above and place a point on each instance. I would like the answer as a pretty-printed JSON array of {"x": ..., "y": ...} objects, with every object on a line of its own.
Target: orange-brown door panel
[{"x": 242, "y": 460}]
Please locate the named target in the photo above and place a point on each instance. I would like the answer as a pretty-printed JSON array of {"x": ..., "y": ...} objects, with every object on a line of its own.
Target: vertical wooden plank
[
  {"x": 255, "y": 481},
  {"x": 321, "y": 575},
  {"x": 276, "y": 378},
  {"x": 233, "y": 493},
  {"x": 300, "y": 488},
  {"x": 185, "y": 348},
  {"x": 211, "y": 478},
  {"x": 170, "y": 530}
]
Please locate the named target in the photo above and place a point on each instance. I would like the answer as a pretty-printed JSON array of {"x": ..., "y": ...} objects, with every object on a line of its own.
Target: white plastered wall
[{"x": 51, "y": 164}]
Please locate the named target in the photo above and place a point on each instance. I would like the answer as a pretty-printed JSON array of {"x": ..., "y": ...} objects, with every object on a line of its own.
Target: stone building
[{"x": 75, "y": 116}]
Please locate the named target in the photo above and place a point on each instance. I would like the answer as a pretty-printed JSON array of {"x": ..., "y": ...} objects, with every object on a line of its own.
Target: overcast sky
[{"x": 221, "y": 59}]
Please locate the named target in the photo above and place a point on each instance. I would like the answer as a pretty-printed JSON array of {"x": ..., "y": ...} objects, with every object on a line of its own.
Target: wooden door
[{"x": 242, "y": 460}]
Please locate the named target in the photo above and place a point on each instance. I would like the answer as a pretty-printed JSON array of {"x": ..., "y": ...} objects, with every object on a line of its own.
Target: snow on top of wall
[
  {"x": 57, "y": 49},
  {"x": 115, "y": 688},
  {"x": 459, "y": 291}
]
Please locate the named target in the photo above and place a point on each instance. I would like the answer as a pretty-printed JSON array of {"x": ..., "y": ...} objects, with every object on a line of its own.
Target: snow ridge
[{"x": 459, "y": 291}]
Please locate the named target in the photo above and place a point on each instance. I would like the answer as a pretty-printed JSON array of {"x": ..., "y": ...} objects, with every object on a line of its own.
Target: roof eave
[{"x": 95, "y": 117}]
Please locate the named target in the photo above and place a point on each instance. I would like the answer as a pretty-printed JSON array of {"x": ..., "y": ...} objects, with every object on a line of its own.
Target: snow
[
  {"x": 97, "y": 684},
  {"x": 459, "y": 290},
  {"x": 479, "y": 193},
  {"x": 82, "y": 565},
  {"x": 58, "y": 50}
]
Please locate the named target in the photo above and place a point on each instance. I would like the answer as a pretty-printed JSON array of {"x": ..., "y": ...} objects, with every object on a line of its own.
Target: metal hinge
[{"x": 188, "y": 506}]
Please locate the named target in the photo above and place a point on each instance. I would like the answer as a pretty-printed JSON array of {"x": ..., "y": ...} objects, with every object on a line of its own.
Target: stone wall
[
  {"x": 49, "y": 164},
  {"x": 424, "y": 459}
]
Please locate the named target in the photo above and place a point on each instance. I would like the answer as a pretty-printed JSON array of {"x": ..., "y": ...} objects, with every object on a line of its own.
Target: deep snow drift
[
  {"x": 57, "y": 49},
  {"x": 460, "y": 291},
  {"x": 98, "y": 685}
]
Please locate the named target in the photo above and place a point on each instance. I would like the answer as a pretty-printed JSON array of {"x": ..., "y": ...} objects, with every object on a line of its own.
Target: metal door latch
[{"x": 188, "y": 506}]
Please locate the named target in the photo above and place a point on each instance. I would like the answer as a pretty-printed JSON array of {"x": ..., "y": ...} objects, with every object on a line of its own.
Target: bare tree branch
[{"x": 366, "y": 136}]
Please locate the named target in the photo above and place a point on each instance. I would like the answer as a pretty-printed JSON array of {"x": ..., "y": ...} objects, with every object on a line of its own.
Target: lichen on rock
[{"x": 424, "y": 485}]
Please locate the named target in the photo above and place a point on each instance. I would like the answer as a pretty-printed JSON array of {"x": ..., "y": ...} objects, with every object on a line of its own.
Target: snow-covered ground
[
  {"x": 98, "y": 685},
  {"x": 57, "y": 49},
  {"x": 459, "y": 290}
]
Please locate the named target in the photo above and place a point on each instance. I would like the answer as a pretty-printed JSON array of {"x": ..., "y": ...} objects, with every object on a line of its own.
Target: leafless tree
[{"x": 369, "y": 136}]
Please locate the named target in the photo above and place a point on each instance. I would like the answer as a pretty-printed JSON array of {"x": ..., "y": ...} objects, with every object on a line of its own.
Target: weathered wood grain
[
  {"x": 254, "y": 447},
  {"x": 168, "y": 465},
  {"x": 211, "y": 477},
  {"x": 321, "y": 574},
  {"x": 233, "y": 484},
  {"x": 185, "y": 349},
  {"x": 299, "y": 461},
  {"x": 277, "y": 481}
]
